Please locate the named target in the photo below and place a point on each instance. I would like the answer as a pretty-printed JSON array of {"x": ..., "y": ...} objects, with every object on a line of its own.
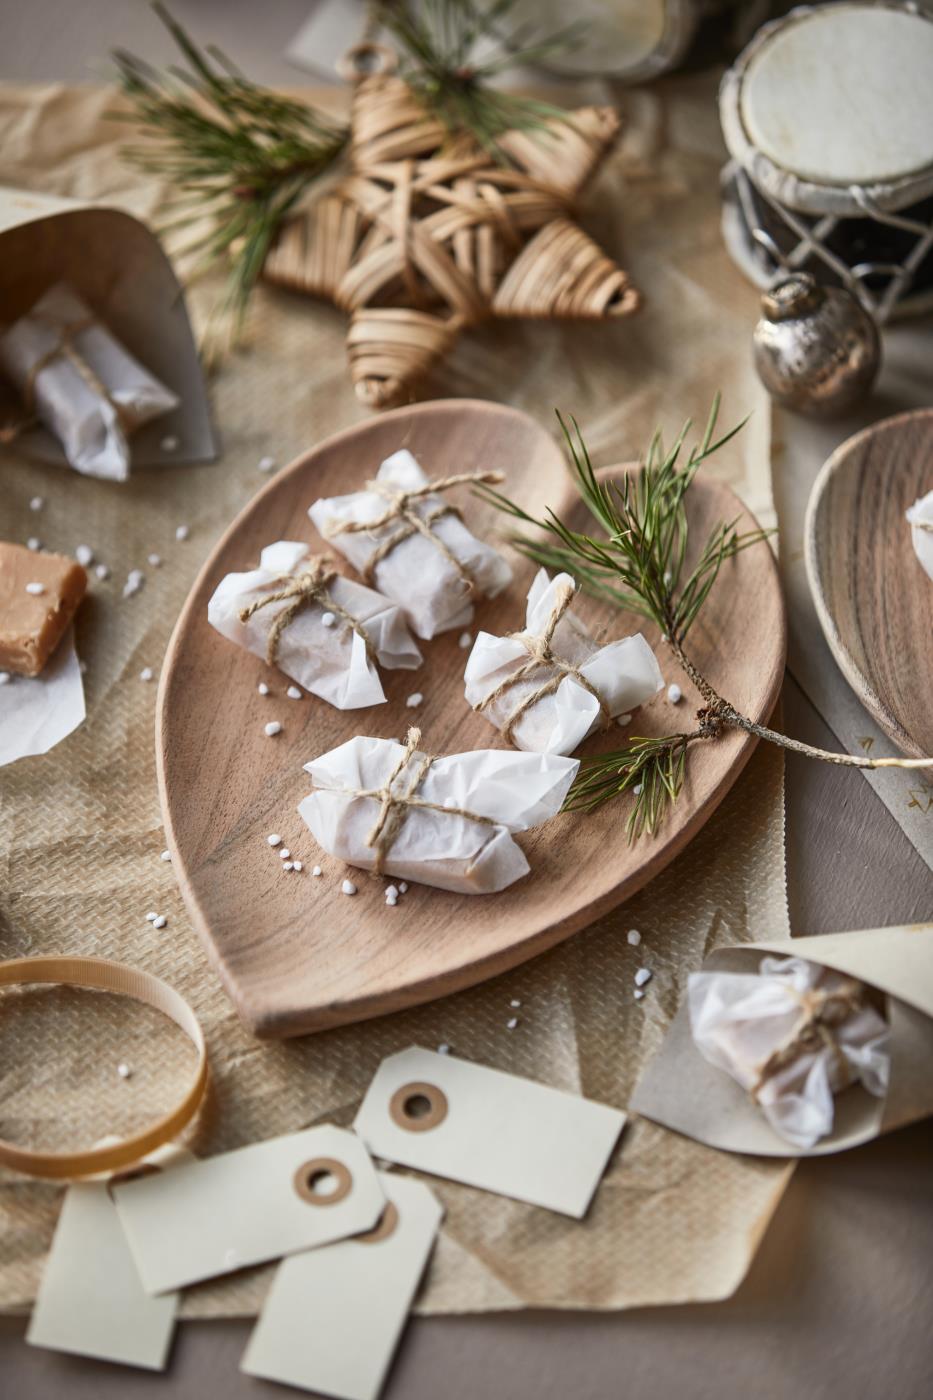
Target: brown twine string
[
  {"x": 394, "y": 806},
  {"x": 65, "y": 348},
  {"x": 310, "y": 586},
  {"x": 541, "y": 656},
  {"x": 923, "y": 525},
  {"x": 823, "y": 1011},
  {"x": 411, "y": 522}
]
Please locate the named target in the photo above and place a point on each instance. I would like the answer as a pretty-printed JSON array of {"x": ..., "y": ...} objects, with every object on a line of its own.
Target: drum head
[{"x": 843, "y": 95}]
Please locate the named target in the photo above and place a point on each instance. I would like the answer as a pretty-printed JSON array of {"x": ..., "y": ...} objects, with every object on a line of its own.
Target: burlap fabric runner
[{"x": 80, "y": 830}]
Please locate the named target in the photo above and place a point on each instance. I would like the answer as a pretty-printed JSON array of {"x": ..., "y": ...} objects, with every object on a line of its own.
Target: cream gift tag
[
  {"x": 91, "y": 1301},
  {"x": 248, "y": 1206},
  {"x": 333, "y": 1317},
  {"x": 488, "y": 1129}
]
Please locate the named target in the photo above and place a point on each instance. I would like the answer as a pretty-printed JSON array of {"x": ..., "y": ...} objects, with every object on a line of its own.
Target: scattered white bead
[
  {"x": 134, "y": 582},
  {"x": 623, "y": 720},
  {"x": 402, "y": 886},
  {"x": 294, "y": 693},
  {"x": 465, "y": 640},
  {"x": 511, "y": 1023},
  {"x": 169, "y": 443},
  {"x": 414, "y": 700},
  {"x": 160, "y": 922},
  {"x": 297, "y": 865},
  {"x": 633, "y": 937},
  {"x": 287, "y": 865},
  {"x": 664, "y": 637},
  {"x": 327, "y": 619},
  {"x": 181, "y": 533},
  {"x": 638, "y": 993},
  {"x": 35, "y": 589},
  {"x": 102, "y": 571},
  {"x": 642, "y": 976},
  {"x": 392, "y": 890},
  {"x": 273, "y": 728},
  {"x": 674, "y": 694},
  {"x": 443, "y": 1048},
  {"x": 37, "y": 503},
  {"x": 317, "y": 870},
  {"x": 155, "y": 560},
  {"x": 667, "y": 577},
  {"x": 348, "y": 887},
  {"x": 124, "y": 1071},
  {"x": 84, "y": 554},
  {"x": 33, "y": 544},
  {"x": 274, "y": 840},
  {"x": 265, "y": 464},
  {"x": 637, "y": 789},
  {"x": 146, "y": 673},
  {"x": 391, "y": 900},
  {"x": 151, "y": 916},
  {"x": 284, "y": 853},
  {"x": 262, "y": 688},
  {"x": 5, "y": 678},
  {"x": 166, "y": 855},
  {"x": 515, "y": 1002}
]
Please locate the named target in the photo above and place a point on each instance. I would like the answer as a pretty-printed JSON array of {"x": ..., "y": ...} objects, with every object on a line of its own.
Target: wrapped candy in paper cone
[
  {"x": 447, "y": 822},
  {"x": 920, "y": 518},
  {"x": 323, "y": 630},
  {"x": 549, "y": 686},
  {"x": 410, "y": 543}
]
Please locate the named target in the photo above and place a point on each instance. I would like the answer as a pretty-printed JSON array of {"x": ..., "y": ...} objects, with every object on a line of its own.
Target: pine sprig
[{"x": 651, "y": 769}]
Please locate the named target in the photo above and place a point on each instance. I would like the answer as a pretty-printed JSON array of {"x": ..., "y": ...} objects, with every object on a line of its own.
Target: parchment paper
[{"x": 81, "y": 835}]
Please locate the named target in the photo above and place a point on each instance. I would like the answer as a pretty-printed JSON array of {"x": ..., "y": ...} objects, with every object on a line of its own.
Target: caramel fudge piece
[{"x": 38, "y": 597}]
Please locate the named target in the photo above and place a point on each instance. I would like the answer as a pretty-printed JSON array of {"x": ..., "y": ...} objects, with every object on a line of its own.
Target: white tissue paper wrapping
[
  {"x": 738, "y": 1020},
  {"x": 85, "y": 422},
  {"x": 436, "y": 848},
  {"x": 329, "y": 661},
  {"x": 626, "y": 674},
  {"x": 415, "y": 573},
  {"x": 922, "y": 539},
  {"x": 37, "y": 712}
]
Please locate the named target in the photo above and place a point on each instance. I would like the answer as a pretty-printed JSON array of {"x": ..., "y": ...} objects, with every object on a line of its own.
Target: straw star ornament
[{"x": 428, "y": 233}]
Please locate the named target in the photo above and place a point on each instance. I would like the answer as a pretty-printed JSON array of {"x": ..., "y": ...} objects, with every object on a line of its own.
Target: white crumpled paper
[
  {"x": 436, "y": 847},
  {"x": 415, "y": 573},
  {"x": 92, "y": 432},
  {"x": 37, "y": 712},
  {"x": 919, "y": 515},
  {"x": 739, "y": 1020},
  {"x": 330, "y": 661},
  {"x": 625, "y": 673}
]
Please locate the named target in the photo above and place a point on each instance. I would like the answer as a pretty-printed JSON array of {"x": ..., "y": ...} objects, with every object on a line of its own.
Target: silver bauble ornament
[{"x": 817, "y": 350}]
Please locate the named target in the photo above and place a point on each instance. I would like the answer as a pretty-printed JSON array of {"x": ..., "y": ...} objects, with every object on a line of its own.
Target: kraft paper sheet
[{"x": 80, "y": 830}]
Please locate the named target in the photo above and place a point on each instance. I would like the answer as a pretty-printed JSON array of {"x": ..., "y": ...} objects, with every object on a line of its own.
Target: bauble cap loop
[{"x": 795, "y": 294}]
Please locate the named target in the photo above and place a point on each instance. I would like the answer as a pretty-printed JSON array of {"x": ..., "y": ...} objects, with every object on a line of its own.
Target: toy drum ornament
[{"x": 828, "y": 118}]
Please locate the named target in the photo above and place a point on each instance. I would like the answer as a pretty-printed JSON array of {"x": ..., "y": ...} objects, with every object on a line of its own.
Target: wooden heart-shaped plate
[
  {"x": 294, "y": 953},
  {"x": 873, "y": 599}
]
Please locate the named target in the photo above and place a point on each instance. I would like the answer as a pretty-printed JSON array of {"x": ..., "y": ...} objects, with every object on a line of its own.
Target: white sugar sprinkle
[
  {"x": 402, "y": 886},
  {"x": 642, "y": 976},
  {"x": 134, "y": 582},
  {"x": 623, "y": 720},
  {"x": 5, "y": 678},
  {"x": 515, "y": 1002},
  {"x": 284, "y": 853},
  {"x": 465, "y": 640},
  {"x": 84, "y": 554},
  {"x": 35, "y": 589},
  {"x": 169, "y": 443},
  {"x": 633, "y": 937},
  {"x": 664, "y": 637},
  {"x": 674, "y": 694},
  {"x": 102, "y": 571},
  {"x": 265, "y": 464},
  {"x": 181, "y": 532},
  {"x": 287, "y": 865},
  {"x": 414, "y": 700},
  {"x": 511, "y": 1023},
  {"x": 297, "y": 865},
  {"x": 348, "y": 887},
  {"x": 293, "y": 693},
  {"x": 151, "y": 916},
  {"x": 391, "y": 900},
  {"x": 155, "y": 560},
  {"x": 327, "y": 619},
  {"x": 124, "y": 1071},
  {"x": 33, "y": 544},
  {"x": 274, "y": 840},
  {"x": 637, "y": 789},
  {"x": 262, "y": 688},
  {"x": 37, "y": 503},
  {"x": 317, "y": 870},
  {"x": 273, "y": 728},
  {"x": 443, "y": 1048},
  {"x": 146, "y": 673},
  {"x": 166, "y": 855},
  {"x": 638, "y": 993},
  {"x": 392, "y": 890},
  {"x": 160, "y": 921}
]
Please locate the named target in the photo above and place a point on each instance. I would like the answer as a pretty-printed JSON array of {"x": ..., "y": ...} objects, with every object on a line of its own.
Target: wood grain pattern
[
  {"x": 874, "y": 601},
  {"x": 294, "y": 954}
]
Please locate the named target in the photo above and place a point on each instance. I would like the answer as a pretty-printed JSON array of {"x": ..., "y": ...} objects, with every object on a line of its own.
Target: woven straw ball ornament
[{"x": 428, "y": 233}]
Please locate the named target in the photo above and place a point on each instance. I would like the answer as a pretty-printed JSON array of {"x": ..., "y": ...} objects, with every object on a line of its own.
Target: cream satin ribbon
[{"x": 106, "y": 976}]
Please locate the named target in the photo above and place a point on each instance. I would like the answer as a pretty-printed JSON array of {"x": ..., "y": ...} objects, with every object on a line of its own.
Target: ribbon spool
[{"x": 104, "y": 975}]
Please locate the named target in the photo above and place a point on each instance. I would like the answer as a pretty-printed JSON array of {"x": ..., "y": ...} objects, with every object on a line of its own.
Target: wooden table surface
[{"x": 838, "y": 1299}]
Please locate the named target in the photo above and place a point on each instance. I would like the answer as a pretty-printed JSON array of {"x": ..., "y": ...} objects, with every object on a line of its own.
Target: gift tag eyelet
[
  {"x": 312, "y": 1181},
  {"x": 386, "y": 1225},
  {"x": 418, "y": 1107}
]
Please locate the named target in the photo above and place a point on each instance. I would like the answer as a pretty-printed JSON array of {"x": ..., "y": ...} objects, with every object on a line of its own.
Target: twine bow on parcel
[
  {"x": 394, "y": 804},
  {"x": 542, "y": 656},
  {"x": 410, "y": 520},
  {"x": 299, "y": 591},
  {"x": 64, "y": 348},
  {"x": 823, "y": 1011}
]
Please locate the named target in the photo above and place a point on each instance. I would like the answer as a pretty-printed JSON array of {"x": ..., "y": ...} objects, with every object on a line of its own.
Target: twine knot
[
  {"x": 823, "y": 1011},
  {"x": 299, "y": 591}
]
